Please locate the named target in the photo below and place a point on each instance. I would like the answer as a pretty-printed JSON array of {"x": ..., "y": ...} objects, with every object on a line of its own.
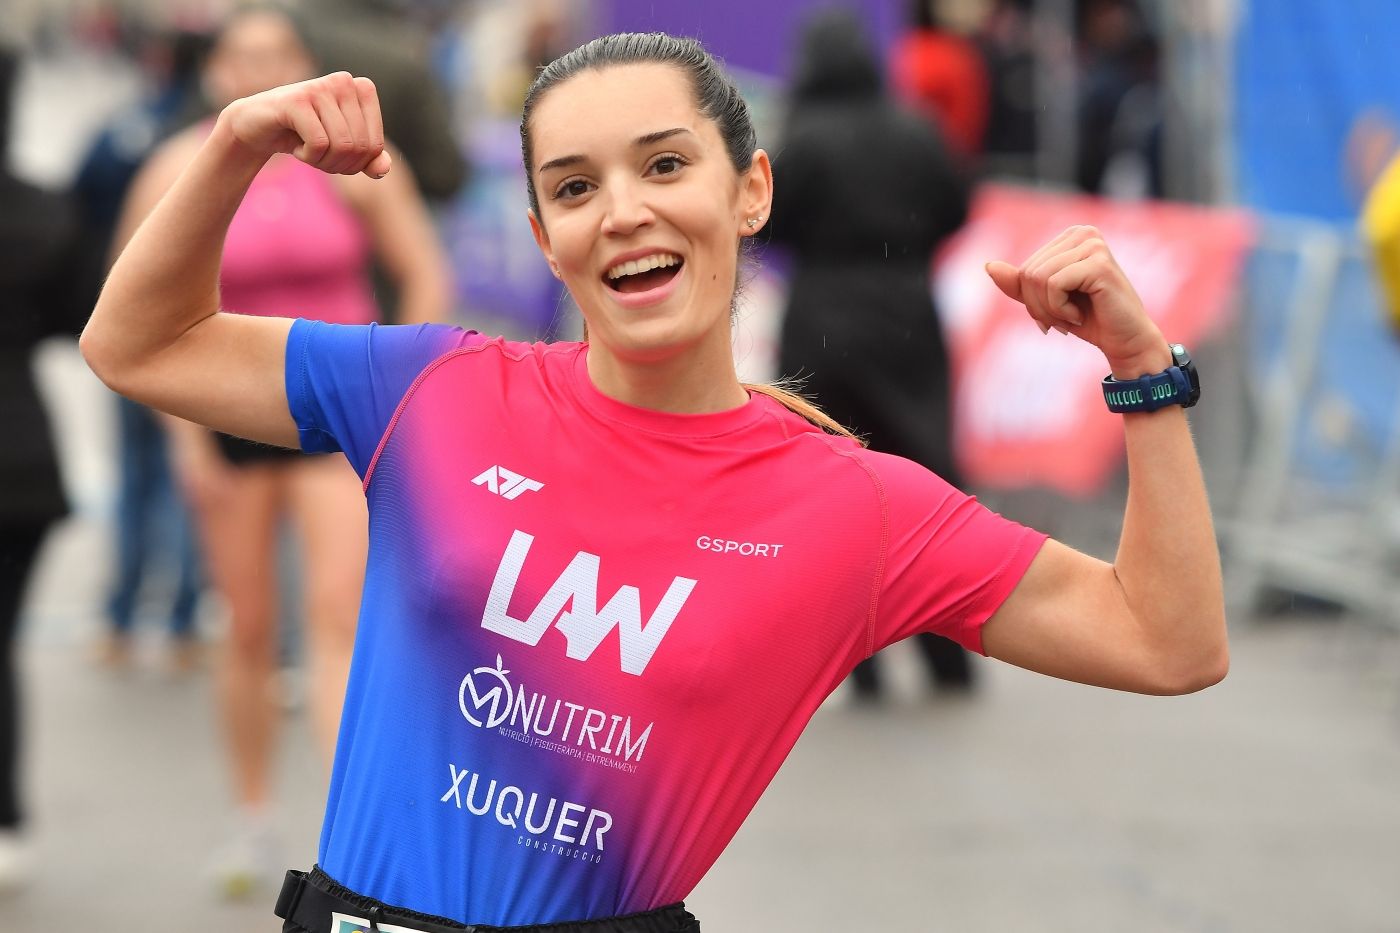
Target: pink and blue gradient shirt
[{"x": 591, "y": 633}]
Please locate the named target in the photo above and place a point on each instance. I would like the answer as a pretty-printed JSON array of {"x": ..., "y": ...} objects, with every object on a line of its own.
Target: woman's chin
[{"x": 646, "y": 339}]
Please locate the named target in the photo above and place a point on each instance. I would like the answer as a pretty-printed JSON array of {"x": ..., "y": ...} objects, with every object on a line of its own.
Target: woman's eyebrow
[
  {"x": 640, "y": 142},
  {"x": 561, "y": 162},
  {"x": 659, "y": 135}
]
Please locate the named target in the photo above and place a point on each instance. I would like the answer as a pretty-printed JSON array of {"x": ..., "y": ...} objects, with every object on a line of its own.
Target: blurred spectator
[
  {"x": 1120, "y": 112},
  {"x": 38, "y": 235},
  {"x": 863, "y": 194},
  {"x": 1372, "y": 143},
  {"x": 942, "y": 75},
  {"x": 545, "y": 35},
  {"x": 148, "y": 510},
  {"x": 299, "y": 246},
  {"x": 1375, "y": 165},
  {"x": 373, "y": 38},
  {"x": 1005, "y": 39},
  {"x": 170, "y": 63}
]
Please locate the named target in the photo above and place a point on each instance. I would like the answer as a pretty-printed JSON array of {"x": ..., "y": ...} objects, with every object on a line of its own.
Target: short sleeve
[
  {"x": 950, "y": 562},
  {"x": 345, "y": 381}
]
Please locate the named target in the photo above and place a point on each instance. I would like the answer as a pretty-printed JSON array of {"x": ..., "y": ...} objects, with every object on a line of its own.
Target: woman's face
[
  {"x": 641, "y": 210},
  {"x": 257, "y": 52}
]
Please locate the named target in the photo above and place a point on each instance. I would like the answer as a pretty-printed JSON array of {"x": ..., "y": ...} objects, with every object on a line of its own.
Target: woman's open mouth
[{"x": 643, "y": 275}]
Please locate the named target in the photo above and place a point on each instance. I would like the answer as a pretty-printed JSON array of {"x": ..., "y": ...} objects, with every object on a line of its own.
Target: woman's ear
[
  {"x": 542, "y": 241},
  {"x": 756, "y": 194}
]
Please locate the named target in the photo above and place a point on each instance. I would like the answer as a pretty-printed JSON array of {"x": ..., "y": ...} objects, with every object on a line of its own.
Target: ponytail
[{"x": 783, "y": 393}]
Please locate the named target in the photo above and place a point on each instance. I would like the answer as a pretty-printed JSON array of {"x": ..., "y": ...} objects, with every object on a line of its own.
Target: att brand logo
[
  {"x": 489, "y": 700},
  {"x": 506, "y": 483},
  {"x": 584, "y": 625}
]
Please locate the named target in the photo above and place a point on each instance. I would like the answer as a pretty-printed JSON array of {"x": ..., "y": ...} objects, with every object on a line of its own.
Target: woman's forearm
[
  {"x": 166, "y": 279},
  {"x": 1168, "y": 563}
]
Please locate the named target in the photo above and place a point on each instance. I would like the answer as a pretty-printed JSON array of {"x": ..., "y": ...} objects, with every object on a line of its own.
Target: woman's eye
[
  {"x": 572, "y": 189},
  {"x": 667, "y": 165}
]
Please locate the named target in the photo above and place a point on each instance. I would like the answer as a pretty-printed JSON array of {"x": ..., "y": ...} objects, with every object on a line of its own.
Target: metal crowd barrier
[{"x": 1318, "y": 511}]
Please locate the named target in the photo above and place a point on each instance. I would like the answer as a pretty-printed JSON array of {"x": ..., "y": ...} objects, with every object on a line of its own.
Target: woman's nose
[{"x": 627, "y": 210}]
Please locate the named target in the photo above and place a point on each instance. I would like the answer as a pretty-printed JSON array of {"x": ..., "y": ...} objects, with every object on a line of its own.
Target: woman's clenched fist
[{"x": 332, "y": 123}]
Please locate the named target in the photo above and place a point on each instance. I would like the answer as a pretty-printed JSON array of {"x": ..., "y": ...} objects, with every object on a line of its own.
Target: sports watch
[{"x": 1178, "y": 384}]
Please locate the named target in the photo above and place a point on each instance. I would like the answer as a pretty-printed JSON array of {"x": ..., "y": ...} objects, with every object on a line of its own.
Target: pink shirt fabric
[
  {"x": 297, "y": 249},
  {"x": 590, "y": 632}
]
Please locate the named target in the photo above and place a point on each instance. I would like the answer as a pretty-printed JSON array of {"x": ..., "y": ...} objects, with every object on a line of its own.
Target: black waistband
[{"x": 308, "y": 900}]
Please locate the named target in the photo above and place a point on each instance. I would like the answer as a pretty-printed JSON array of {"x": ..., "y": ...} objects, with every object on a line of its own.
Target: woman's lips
[{"x": 651, "y": 296}]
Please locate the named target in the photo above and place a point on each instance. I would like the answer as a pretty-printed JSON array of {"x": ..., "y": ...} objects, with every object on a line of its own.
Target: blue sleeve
[{"x": 345, "y": 381}]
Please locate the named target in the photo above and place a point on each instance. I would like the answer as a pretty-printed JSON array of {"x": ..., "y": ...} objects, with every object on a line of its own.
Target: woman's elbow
[
  {"x": 1205, "y": 669},
  {"x": 96, "y": 353},
  {"x": 103, "y": 355}
]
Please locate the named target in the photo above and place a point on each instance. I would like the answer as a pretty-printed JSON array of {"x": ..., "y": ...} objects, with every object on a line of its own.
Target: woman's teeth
[{"x": 645, "y": 264}]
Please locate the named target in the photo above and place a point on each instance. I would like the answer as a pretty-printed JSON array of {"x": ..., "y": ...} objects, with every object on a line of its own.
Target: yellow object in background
[{"x": 1380, "y": 226}]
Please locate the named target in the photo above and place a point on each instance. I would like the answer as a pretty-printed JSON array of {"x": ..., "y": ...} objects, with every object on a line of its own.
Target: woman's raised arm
[
  {"x": 1153, "y": 621},
  {"x": 157, "y": 335}
]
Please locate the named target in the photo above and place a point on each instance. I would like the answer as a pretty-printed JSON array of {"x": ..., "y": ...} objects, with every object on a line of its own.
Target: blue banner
[{"x": 1309, "y": 77}]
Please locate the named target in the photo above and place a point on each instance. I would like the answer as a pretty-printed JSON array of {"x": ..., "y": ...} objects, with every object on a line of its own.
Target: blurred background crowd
[{"x": 1239, "y": 156}]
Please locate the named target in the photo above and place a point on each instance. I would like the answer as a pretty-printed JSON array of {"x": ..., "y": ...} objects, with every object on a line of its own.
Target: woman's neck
[{"x": 682, "y": 384}]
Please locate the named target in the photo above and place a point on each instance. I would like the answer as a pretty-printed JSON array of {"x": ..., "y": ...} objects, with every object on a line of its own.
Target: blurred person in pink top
[{"x": 301, "y": 245}]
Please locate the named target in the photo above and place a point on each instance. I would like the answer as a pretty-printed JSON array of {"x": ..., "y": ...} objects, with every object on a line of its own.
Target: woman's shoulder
[
  {"x": 889, "y": 475},
  {"x": 512, "y": 358}
]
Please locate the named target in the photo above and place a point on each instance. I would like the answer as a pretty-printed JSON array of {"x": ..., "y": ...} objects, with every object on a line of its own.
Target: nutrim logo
[
  {"x": 488, "y": 700},
  {"x": 506, "y": 483},
  {"x": 493, "y": 703}
]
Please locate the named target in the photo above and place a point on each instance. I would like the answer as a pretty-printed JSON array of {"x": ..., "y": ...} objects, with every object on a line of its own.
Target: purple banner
[
  {"x": 500, "y": 273},
  {"x": 756, "y": 36}
]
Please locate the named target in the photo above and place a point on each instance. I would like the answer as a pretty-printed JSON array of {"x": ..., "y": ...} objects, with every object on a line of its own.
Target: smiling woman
[
  {"x": 607, "y": 200},
  {"x": 628, "y": 578},
  {"x": 711, "y": 148}
]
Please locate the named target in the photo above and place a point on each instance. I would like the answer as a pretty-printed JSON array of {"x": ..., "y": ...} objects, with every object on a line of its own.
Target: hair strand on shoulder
[{"x": 785, "y": 392}]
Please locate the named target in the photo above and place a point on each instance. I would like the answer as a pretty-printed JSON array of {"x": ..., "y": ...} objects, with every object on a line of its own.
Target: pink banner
[{"x": 1029, "y": 411}]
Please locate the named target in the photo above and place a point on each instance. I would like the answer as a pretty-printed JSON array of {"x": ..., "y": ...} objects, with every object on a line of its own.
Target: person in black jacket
[
  {"x": 38, "y": 233},
  {"x": 864, "y": 192}
]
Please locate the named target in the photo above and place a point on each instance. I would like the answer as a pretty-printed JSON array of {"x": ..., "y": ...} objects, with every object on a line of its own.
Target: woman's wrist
[
  {"x": 234, "y": 154},
  {"x": 1146, "y": 362}
]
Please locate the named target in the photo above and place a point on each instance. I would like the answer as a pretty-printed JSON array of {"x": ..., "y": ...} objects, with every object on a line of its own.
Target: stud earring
[{"x": 753, "y": 222}]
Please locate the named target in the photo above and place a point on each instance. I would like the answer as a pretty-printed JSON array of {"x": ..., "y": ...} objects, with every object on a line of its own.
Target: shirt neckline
[{"x": 659, "y": 422}]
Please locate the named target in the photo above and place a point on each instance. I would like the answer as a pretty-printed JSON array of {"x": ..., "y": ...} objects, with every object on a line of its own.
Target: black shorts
[
  {"x": 240, "y": 452},
  {"x": 308, "y": 900}
]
